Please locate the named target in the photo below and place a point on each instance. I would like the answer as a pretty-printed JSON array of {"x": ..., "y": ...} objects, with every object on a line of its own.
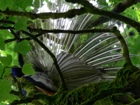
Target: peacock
[{"x": 82, "y": 58}]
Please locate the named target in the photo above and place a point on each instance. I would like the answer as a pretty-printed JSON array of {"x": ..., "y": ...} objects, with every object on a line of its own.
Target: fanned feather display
[
  {"x": 82, "y": 58},
  {"x": 92, "y": 60}
]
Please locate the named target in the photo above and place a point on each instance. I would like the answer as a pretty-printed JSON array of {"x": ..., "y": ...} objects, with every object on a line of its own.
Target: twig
[
  {"x": 28, "y": 38},
  {"x": 16, "y": 35},
  {"x": 69, "y": 31},
  {"x": 42, "y": 31},
  {"x": 3, "y": 27},
  {"x": 9, "y": 40},
  {"x": 3, "y": 71},
  {"x": 7, "y": 21},
  {"x": 69, "y": 14}
]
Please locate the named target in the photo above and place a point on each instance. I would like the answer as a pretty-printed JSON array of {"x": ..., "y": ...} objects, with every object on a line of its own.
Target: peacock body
[{"x": 82, "y": 58}]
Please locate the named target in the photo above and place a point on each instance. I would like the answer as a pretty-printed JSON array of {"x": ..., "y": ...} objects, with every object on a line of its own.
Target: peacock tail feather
[{"x": 82, "y": 58}]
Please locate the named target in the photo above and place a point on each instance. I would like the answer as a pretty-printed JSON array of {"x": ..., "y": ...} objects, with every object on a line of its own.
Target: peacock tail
[{"x": 82, "y": 58}]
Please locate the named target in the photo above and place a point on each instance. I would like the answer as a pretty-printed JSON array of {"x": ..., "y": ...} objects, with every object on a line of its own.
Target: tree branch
[
  {"x": 41, "y": 32},
  {"x": 93, "y": 10},
  {"x": 119, "y": 8},
  {"x": 28, "y": 38},
  {"x": 69, "y": 14},
  {"x": 123, "y": 44},
  {"x": 7, "y": 21},
  {"x": 69, "y": 31},
  {"x": 88, "y": 8},
  {"x": 4, "y": 28}
]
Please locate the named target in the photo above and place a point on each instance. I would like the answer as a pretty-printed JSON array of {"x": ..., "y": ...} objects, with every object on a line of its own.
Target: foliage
[
  {"x": 22, "y": 47},
  {"x": 19, "y": 18},
  {"x": 27, "y": 69}
]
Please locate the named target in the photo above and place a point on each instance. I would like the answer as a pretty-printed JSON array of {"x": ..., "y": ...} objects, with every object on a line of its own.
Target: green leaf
[
  {"x": 4, "y": 4},
  {"x": 135, "y": 60},
  {"x": 6, "y": 60},
  {"x": 134, "y": 44},
  {"x": 21, "y": 24},
  {"x": 2, "y": 44},
  {"x": 28, "y": 69},
  {"x": 131, "y": 13},
  {"x": 29, "y": 9},
  {"x": 23, "y": 3},
  {"x": 22, "y": 47},
  {"x": 6, "y": 34},
  {"x": 36, "y": 4},
  {"x": 5, "y": 90}
]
